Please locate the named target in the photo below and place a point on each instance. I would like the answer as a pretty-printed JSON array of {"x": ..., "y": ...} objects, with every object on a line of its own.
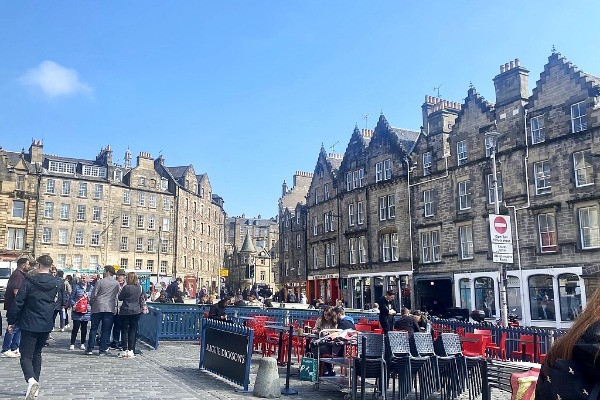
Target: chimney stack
[{"x": 511, "y": 83}]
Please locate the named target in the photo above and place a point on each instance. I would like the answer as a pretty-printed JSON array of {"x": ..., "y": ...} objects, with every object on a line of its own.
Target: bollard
[{"x": 266, "y": 384}]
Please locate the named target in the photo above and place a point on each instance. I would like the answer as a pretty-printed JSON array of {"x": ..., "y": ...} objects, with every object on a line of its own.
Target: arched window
[
  {"x": 569, "y": 294},
  {"x": 465, "y": 293},
  {"x": 485, "y": 294},
  {"x": 541, "y": 297}
]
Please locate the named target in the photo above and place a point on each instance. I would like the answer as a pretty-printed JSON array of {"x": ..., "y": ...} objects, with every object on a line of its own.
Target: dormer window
[
  {"x": 142, "y": 181},
  {"x": 118, "y": 175},
  {"x": 164, "y": 184}
]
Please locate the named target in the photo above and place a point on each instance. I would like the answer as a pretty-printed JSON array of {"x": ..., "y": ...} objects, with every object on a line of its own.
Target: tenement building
[
  {"x": 411, "y": 211},
  {"x": 292, "y": 236},
  {"x": 252, "y": 252},
  {"x": 87, "y": 213}
]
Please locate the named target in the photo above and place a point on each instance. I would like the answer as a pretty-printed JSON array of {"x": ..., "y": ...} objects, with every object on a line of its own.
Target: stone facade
[
  {"x": 264, "y": 234},
  {"x": 426, "y": 200},
  {"x": 293, "y": 235},
  {"x": 89, "y": 213}
]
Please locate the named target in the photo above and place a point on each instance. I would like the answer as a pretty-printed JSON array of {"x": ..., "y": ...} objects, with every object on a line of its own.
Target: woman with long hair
[
  {"x": 130, "y": 312},
  {"x": 576, "y": 356},
  {"x": 80, "y": 294}
]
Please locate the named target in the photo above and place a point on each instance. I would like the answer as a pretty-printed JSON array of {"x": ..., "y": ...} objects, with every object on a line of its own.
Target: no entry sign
[{"x": 500, "y": 229}]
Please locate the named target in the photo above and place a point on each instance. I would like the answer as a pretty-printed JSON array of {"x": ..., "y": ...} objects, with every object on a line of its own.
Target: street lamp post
[
  {"x": 158, "y": 256},
  {"x": 502, "y": 267}
]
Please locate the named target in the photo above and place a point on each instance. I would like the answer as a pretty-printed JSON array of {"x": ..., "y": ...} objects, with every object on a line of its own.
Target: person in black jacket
[
  {"x": 33, "y": 311},
  {"x": 217, "y": 311},
  {"x": 407, "y": 322},
  {"x": 571, "y": 369},
  {"x": 386, "y": 310}
]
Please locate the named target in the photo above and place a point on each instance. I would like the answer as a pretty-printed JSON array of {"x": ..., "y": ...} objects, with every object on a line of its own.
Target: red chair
[
  {"x": 475, "y": 348},
  {"x": 460, "y": 331},
  {"x": 362, "y": 327},
  {"x": 363, "y": 321},
  {"x": 527, "y": 341},
  {"x": 498, "y": 350}
]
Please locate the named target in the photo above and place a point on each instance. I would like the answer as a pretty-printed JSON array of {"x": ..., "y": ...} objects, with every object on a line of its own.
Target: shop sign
[
  {"x": 324, "y": 276},
  {"x": 224, "y": 272}
]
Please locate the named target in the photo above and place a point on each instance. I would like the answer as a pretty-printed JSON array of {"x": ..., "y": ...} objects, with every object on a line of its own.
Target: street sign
[
  {"x": 501, "y": 237},
  {"x": 500, "y": 229},
  {"x": 503, "y": 258},
  {"x": 502, "y": 248}
]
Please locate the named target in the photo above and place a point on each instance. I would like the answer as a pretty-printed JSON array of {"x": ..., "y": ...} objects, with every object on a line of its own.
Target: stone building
[
  {"x": 198, "y": 230},
  {"x": 258, "y": 237},
  {"x": 90, "y": 213},
  {"x": 415, "y": 207},
  {"x": 292, "y": 235}
]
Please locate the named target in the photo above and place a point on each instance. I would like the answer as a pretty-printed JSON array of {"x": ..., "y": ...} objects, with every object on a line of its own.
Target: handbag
[
  {"x": 309, "y": 366},
  {"x": 82, "y": 305},
  {"x": 143, "y": 305}
]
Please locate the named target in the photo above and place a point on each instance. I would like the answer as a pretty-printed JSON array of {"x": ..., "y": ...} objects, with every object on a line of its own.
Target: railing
[{"x": 542, "y": 338}]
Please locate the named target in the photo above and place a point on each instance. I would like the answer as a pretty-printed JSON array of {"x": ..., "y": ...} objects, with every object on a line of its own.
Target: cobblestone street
[{"x": 171, "y": 372}]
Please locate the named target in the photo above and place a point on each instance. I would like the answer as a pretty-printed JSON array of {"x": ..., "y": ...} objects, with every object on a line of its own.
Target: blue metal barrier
[{"x": 227, "y": 350}]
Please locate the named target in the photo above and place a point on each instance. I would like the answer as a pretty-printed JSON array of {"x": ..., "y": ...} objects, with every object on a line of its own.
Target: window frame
[
  {"x": 461, "y": 152},
  {"x": 548, "y": 231},
  {"x": 490, "y": 188},
  {"x": 465, "y": 239},
  {"x": 378, "y": 171},
  {"x": 428, "y": 203},
  {"x": 427, "y": 160},
  {"x": 537, "y": 133},
  {"x": 360, "y": 216},
  {"x": 578, "y": 123},
  {"x": 350, "y": 214},
  {"x": 387, "y": 169},
  {"x": 588, "y": 168},
  {"x": 593, "y": 227},
  {"x": 464, "y": 199},
  {"x": 542, "y": 179},
  {"x": 15, "y": 210}
]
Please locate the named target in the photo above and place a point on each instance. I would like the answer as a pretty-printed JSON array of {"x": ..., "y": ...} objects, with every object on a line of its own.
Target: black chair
[
  {"x": 370, "y": 363},
  {"x": 399, "y": 363},
  {"x": 469, "y": 368}
]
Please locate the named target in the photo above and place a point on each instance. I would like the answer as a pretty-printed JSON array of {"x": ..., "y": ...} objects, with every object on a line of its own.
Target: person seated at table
[
  {"x": 327, "y": 320},
  {"x": 421, "y": 320},
  {"x": 203, "y": 299},
  {"x": 375, "y": 308},
  {"x": 253, "y": 301},
  {"x": 343, "y": 321},
  {"x": 163, "y": 298},
  {"x": 217, "y": 311},
  {"x": 239, "y": 301},
  {"x": 406, "y": 322}
]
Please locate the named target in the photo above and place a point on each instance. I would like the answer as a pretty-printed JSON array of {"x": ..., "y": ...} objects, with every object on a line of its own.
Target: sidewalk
[{"x": 171, "y": 372}]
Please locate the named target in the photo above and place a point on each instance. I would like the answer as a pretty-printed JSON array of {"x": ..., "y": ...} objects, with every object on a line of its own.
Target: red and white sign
[
  {"x": 500, "y": 229},
  {"x": 501, "y": 235}
]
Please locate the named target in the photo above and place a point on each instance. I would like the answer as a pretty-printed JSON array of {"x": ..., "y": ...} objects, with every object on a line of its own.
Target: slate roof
[
  {"x": 248, "y": 246},
  {"x": 407, "y": 138},
  {"x": 177, "y": 172}
]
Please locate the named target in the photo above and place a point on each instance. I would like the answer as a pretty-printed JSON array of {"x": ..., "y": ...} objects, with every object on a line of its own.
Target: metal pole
[
  {"x": 501, "y": 268},
  {"x": 159, "y": 250}
]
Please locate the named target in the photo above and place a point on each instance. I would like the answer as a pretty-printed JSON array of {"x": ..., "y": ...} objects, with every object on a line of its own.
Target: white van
[{"x": 6, "y": 268}]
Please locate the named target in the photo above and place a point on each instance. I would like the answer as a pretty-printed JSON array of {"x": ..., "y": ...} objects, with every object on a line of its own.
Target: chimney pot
[
  {"x": 517, "y": 62},
  {"x": 512, "y": 64},
  {"x": 502, "y": 68},
  {"x": 506, "y": 66}
]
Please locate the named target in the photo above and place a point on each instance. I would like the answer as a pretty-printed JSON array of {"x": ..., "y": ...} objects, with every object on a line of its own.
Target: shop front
[
  {"x": 367, "y": 289},
  {"x": 325, "y": 286},
  {"x": 293, "y": 288},
  {"x": 544, "y": 297}
]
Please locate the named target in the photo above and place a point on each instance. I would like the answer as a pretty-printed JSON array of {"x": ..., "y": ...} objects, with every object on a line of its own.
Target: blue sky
[{"x": 248, "y": 90}]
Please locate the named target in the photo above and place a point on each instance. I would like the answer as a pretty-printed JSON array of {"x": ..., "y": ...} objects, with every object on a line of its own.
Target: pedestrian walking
[
  {"x": 33, "y": 311},
  {"x": 10, "y": 345},
  {"x": 81, "y": 311},
  {"x": 130, "y": 312},
  {"x": 103, "y": 301}
]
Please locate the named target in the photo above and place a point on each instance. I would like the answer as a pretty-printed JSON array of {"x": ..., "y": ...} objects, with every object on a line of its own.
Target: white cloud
[{"x": 55, "y": 80}]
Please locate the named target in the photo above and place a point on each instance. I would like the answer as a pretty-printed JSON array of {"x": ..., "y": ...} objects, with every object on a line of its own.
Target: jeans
[
  {"x": 116, "y": 331},
  {"x": 32, "y": 344},
  {"x": 62, "y": 317},
  {"x": 129, "y": 326},
  {"x": 107, "y": 319},
  {"x": 76, "y": 325},
  {"x": 12, "y": 340}
]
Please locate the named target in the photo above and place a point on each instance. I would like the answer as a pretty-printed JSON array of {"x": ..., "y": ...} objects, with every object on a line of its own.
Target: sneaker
[
  {"x": 17, "y": 353},
  {"x": 82, "y": 347},
  {"x": 130, "y": 354},
  {"x": 37, "y": 392},
  {"x": 8, "y": 354},
  {"x": 72, "y": 347},
  {"x": 32, "y": 389},
  {"x": 122, "y": 354},
  {"x": 62, "y": 329},
  {"x": 88, "y": 353},
  {"x": 50, "y": 337},
  {"x": 104, "y": 353},
  {"x": 67, "y": 326}
]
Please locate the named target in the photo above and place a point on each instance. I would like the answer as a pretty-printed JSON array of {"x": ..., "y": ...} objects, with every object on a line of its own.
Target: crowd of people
[{"x": 37, "y": 293}]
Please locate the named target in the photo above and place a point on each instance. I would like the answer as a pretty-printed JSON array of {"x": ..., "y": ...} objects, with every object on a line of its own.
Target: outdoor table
[
  {"x": 524, "y": 342},
  {"x": 281, "y": 329},
  {"x": 244, "y": 319},
  {"x": 468, "y": 339}
]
